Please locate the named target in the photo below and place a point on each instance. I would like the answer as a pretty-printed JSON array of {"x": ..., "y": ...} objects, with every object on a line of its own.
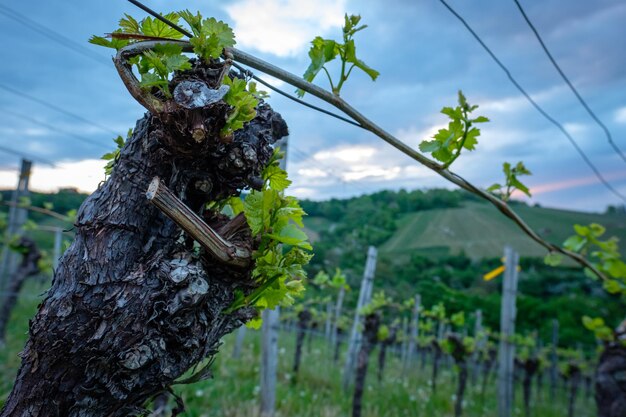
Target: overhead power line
[
  {"x": 607, "y": 133},
  {"x": 53, "y": 35},
  {"x": 26, "y": 156},
  {"x": 56, "y": 108},
  {"x": 56, "y": 129},
  {"x": 244, "y": 71},
  {"x": 535, "y": 105}
]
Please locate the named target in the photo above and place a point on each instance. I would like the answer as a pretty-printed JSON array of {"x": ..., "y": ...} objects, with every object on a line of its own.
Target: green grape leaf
[
  {"x": 575, "y": 243},
  {"x": 350, "y": 56},
  {"x": 553, "y": 259},
  {"x": 235, "y": 204},
  {"x": 221, "y": 30},
  {"x": 612, "y": 286},
  {"x": 494, "y": 187},
  {"x": 257, "y": 206},
  {"x": 128, "y": 24},
  {"x": 255, "y": 323},
  {"x": 194, "y": 21},
  {"x": 471, "y": 141},
  {"x": 114, "y": 43},
  {"x": 292, "y": 235},
  {"x": 154, "y": 27},
  {"x": 277, "y": 177},
  {"x": 448, "y": 143}
]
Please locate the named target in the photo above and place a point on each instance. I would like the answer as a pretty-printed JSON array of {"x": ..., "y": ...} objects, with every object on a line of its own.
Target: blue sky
[{"x": 424, "y": 56}]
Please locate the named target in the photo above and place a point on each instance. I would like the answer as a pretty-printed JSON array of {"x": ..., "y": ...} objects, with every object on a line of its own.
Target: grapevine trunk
[
  {"x": 611, "y": 382},
  {"x": 134, "y": 303},
  {"x": 370, "y": 332}
]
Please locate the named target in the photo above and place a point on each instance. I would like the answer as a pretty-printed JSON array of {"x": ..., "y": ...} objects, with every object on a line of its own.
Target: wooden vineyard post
[
  {"x": 269, "y": 361},
  {"x": 506, "y": 354},
  {"x": 403, "y": 346},
  {"x": 554, "y": 359},
  {"x": 338, "y": 307},
  {"x": 269, "y": 336},
  {"x": 412, "y": 336},
  {"x": 56, "y": 252},
  {"x": 328, "y": 324},
  {"x": 17, "y": 217},
  {"x": 365, "y": 295},
  {"x": 413, "y": 330},
  {"x": 241, "y": 335}
]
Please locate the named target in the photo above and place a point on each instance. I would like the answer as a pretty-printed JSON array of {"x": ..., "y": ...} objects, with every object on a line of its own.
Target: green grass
[
  {"x": 480, "y": 231},
  {"x": 234, "y": 390}
]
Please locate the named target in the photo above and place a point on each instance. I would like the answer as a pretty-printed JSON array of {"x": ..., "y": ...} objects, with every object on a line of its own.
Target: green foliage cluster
[
  {"x": 243, "y": 105},
  {"x": 210, "y": 36},
  {"x": 545, "y": 293},
  {"x": 511, "y": 183},
  {"x": 605, "y": 257},
  {"x": 154, "y": 66},
  {"x": 322, "y": 280},
  {"x": 283, "y": 250},
  {"x": 378, "y": 302},
  {"x": 157, "y": 66},
  {"x": 460, "y": 134},
  {"x": 599, "y": 328},
  {"x": 324, "y": 51},
  {"x": 114, "y": 155}
]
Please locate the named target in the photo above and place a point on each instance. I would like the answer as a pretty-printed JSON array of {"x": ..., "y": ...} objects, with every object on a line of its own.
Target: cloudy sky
[{"x": 422, "y": 51}]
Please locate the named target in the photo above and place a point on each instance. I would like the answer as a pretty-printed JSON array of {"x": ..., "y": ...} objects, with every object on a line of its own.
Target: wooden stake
[
  {"x": 507, "y": 329},
  {"x": 365, "y": 295},
  {"x": 327, "y": 327},
  {"x": 269, "y": 361},
  {"x": 241, "y": 335},
  {"x": 338, "y": 307},
  {"x": 413, "y": 329},
  {"x": 159, "y": 195},
  {"x": 17, "y": 218}
]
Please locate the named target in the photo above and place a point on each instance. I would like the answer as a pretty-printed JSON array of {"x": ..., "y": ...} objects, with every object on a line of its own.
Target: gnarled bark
[
  {"x": 530, "y": 366},
  {"x": 460, "y": 354},
  {"x": 134, "y": 304},
  {"x": 370, "y": 333},
  {"x": 611, "y": 382},
  {"x": 382, "y": 354},
  {"x": 304, "y": 318}
]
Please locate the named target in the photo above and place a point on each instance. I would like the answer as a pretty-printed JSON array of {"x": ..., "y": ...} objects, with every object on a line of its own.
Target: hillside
[{"x": 480, "y": 231}]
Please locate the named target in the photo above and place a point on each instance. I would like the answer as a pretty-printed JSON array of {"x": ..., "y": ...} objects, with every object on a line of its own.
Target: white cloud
[
  {"x": 346, "y": 154},
  {"x": 312, "y": 173},
  {"x": 518, "y": 102},
  {"x": 84, "y": 175},
  {"x": 413, "y": 136},
  {"x": 575, "y": 128},
  {"x": 372, "y": 172},
  {"x": 360, "y": 164},
  {"x": 283, "y": 27},
  {"x": 620, "y": 115},
  {"x": 303, "y": 192}
]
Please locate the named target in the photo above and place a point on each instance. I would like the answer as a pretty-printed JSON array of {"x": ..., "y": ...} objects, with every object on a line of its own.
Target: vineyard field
[
  {"x": 480, "y": 231},
  {"x": 317, "y": 392}
]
